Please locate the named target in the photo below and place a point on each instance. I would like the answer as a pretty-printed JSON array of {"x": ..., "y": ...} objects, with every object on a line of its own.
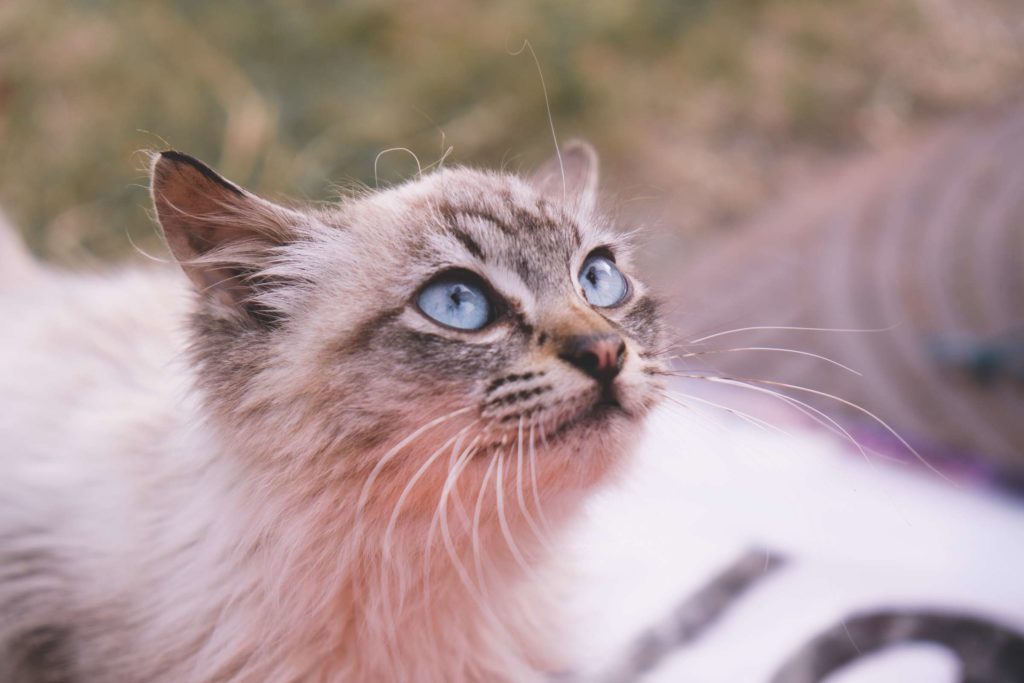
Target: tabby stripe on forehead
[
  {"x": 468, "y": 242},
  {"x": 451, "y": 215},
  {"x": 540, "y": 218},
  {"x": 523, "y": 221},
  {"x": 535, "y": 222}
]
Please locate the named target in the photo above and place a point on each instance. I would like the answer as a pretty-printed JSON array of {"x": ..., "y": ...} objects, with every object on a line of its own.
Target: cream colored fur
[{"x": 297, "y": 507}]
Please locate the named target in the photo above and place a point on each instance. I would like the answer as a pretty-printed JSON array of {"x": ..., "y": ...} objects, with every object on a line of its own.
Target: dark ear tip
[
  {"x": 175, "y": 156},
  {"x": 170, "y": 159},
  {"x": 167, "y": 160}
]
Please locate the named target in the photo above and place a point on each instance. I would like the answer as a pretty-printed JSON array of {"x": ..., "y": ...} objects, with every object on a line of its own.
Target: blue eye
[
  {"x": 602, "y": 283},
  {"x": 457, "y": 302}
]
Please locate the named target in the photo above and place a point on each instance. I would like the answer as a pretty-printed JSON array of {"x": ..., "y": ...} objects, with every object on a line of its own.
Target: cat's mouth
[
  {"x": 609, "y": 397},
  {"x": 596, "y": 415},
  {"x": 536, "y": 412}
]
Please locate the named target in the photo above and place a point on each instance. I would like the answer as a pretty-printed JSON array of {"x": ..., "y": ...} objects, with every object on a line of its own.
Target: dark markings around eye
[
  {"x": 408, "y": 353},
  {"x": 524, "y": 327},
  {"x": 641, "y": 321},
  {"x": 363, "y": 337}
]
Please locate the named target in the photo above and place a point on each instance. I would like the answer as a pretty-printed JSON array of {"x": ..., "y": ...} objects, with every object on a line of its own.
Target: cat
[{"x": 340, "y": 449}]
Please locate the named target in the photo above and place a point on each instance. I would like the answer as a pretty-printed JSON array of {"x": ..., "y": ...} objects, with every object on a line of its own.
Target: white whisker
[
  {"x": 453, "y": 553},
  {"x": 533, "y": 480},
  {"x": 747, "y": 417},
  {"x": 694, "y": 354},
  {"x": 506, "y": 530},
  {"x": 865, "y": 411},
  {"x": 376, "y": 161},
  {"x": 393, "y": 451},
  {"x": 807, "y": 409},
  {"x": 785, "y": 328},
  {"x": 388, "y": 566},
  {"x": 520, "y": 494},
  {"x": 477, "y": 510},
  {"x": 390, "y": 528},
  {"x": 454, "y": 470},
  {"x": 547, "y": 106}
]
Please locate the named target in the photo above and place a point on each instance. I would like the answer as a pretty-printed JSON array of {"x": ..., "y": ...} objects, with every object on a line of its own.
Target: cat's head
[{"x": 459, "y": 319}]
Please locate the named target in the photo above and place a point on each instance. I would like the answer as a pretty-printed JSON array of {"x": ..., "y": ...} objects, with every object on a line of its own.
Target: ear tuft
[
  {"x": 221, "y": 235},
  {"x": 569, "y": 177}
]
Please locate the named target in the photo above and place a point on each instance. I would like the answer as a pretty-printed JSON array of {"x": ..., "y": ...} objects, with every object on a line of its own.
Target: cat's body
[
  {"x": 298, "y": 475},
  {"x": 113, "y": 459}
]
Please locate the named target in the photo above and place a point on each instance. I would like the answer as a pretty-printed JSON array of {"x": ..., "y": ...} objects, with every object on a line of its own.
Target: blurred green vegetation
[{"x": 708, "y": 107}]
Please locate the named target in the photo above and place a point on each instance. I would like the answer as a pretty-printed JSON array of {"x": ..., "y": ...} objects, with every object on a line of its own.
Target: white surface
[{"x": 859, "y": 536}]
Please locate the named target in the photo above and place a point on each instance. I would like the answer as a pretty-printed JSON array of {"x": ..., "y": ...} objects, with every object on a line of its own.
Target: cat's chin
[
  {"x": 604, "y": 421},
  {"x": 592, "y": 423},
  {"x": 599, "y": 416}
]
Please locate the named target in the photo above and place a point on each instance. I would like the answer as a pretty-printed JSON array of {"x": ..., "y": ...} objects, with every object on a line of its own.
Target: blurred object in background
[
  {"x": 986, "y": 361},
  {"x": 706, "y": 113},
  {"x": 924, "y": 246},
  {"x": 703, "y": 111},
  {"x": 797, "y": 163}
]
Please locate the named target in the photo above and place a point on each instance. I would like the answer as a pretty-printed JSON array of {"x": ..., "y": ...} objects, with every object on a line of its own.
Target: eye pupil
[
  {"x": 461, "y": 304},
  {"x": 603, "y": 284}
]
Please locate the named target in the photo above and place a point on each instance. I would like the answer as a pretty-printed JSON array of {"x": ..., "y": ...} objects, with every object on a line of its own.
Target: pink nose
[{"x": 598, "y": 355}]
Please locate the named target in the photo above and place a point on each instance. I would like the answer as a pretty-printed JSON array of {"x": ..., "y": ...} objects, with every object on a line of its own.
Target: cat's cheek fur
[{"x": 318, "y": 484}]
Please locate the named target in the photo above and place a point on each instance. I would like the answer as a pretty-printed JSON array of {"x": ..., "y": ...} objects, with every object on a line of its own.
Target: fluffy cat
[{"x": 343, "y": 454}]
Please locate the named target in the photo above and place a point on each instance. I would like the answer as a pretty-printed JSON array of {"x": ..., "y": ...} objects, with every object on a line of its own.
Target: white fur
[{"x": 194, "y": 536}]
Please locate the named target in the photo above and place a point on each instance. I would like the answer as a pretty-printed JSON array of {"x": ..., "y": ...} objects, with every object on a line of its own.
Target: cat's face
[{"x": 476, "y": 315}]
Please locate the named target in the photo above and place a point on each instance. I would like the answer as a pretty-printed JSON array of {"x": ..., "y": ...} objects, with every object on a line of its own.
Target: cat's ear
[
  {"x": 222, "y": 235},
  {"x": 570, "y": 177}
]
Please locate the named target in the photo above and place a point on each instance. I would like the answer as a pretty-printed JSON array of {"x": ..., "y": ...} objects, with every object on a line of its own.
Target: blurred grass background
[{"x": 703, "y": 110}]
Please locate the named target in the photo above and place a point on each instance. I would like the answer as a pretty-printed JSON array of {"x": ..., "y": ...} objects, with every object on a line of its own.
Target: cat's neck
[{"x": 294, "y": 568}]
